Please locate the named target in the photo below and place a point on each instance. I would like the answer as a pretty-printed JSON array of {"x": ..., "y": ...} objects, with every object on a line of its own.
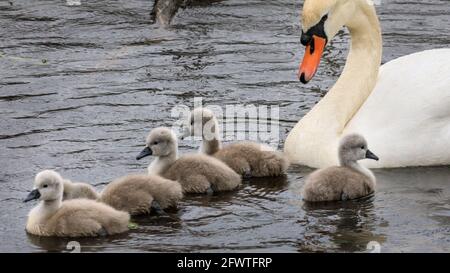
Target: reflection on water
[
  {"x": 354, "y": 222},
  {"x": 81, "y": 86}
]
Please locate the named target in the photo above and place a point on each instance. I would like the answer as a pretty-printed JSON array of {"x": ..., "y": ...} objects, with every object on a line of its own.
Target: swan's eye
[
  {"x": 362, "y": 147},
  {"x": 155, "y": 143},
  {"x": 45, "y": 186}
]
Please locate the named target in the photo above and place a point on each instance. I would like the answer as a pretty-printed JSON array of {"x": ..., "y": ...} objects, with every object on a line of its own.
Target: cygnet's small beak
[
  {"x": 371, "y": 155},
  {"x": 146, "y": 152},
  {"x": 33, "y": 195}
]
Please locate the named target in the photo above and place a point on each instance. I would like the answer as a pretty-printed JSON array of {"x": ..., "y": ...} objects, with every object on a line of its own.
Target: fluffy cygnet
[
  {"x": 348, "y": 181},
  {"x": 139, "y": 194},
  {"x": 135, "y": 194},
  {"x": 196, "y": 173},
  {"x": 246, "y": 158},
  {"x": 72, "y": 218}
]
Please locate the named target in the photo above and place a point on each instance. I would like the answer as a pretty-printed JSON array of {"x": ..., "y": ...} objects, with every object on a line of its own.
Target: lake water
[{"x": 81, "y": 86}]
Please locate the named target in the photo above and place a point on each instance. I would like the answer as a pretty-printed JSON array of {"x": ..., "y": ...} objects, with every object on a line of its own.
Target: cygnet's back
[
  {"x": 76, "y": 190},
  {"x": 197, "y": 172},
  {"x": 253, "y": 159},
  {"x": 138, "y": 193},
  {"x": 83, "y": 217}
]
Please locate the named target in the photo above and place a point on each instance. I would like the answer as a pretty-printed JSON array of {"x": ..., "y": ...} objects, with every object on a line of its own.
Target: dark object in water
[{"x": 164, "y": 10}]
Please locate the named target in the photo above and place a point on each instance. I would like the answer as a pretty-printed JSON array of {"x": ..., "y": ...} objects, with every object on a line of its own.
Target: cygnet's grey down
[
  {"x": 142, "y": 193},
  {"x": 134, "y": 193},
  {"x": 72, "y": 218},
  {"x": 249, "y": 159},
  {"x": 347, "y": 181},
  {"x": 76, "y": 190},
  {"x": 195, "y": 172}
]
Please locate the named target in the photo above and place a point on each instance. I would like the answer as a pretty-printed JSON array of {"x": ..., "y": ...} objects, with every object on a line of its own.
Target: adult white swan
[{"x": 402, "y": 109}]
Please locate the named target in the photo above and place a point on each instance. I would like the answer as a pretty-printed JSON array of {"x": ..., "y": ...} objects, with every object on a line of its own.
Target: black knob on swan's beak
[{"x": 305, "y": 39}]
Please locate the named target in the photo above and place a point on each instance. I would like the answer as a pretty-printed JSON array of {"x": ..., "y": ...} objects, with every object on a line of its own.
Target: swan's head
[
  {"x": 321, "y": 21},
  {"x": 201, "y": 122},
  {"x": 48, "y": 186},
  {"x": 160, "y": 142},
  {"x": 354, "y": 147}
]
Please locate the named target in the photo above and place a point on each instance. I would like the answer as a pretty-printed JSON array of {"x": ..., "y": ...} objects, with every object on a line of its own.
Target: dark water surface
[{"x": 80, "y": 86}]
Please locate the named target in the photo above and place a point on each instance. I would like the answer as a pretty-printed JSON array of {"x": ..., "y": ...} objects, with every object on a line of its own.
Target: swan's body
[
  {"x": 407, "y": 101},
  {"x": 413, "y": 113},
  {"x": 347, "y": 181}
]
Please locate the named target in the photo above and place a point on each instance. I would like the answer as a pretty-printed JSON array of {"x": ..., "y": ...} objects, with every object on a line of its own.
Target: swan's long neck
[
  {"x": 314, "y": 139},
  {"x": 211, "y": 143},
  {"x": 360, "y": 72}
]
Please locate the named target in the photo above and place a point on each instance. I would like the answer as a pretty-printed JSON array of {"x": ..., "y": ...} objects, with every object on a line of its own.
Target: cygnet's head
[
  {"x": 352, "y": 148},
  {"x": 160, "y": 142},
  {"x": 48, "y": 186},
  {"x": 201, "y": 122}
]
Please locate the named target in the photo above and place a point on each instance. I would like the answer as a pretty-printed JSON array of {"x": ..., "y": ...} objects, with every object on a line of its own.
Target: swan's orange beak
[{"x": 311, "y": 60}]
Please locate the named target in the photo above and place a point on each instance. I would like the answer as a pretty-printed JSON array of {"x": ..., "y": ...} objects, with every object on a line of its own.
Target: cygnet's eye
[
  {"x": 363, "y": 147},
  {"x": 155, "y": 143},
  {"x": 45, "y": 186}
]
